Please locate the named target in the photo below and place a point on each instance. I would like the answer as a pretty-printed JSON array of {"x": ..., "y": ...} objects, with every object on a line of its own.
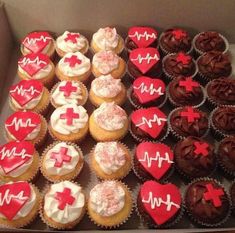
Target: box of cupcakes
[{"x": 118, "y": 125}]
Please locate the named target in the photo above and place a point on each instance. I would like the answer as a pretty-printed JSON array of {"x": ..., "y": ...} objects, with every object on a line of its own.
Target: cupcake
[
  {"x": 36, "y": 66},
  {"x": 26, "y": 126},
  {"x": 18, "y": 161},
  {"x": 107, "y": 39},
  {"x": 73, "y": 67},
  {"x": 207, "y": 202},
  {"x": 153, "y": 161},
  {"x": 175, "y": 40},
  {"x": 109, "y": 204},
  {"x": 109, "y": 122},
  {"x": 208, "y": 41},
  {"x": 149, "y": 124},
  {"x": 61, "y": 161},
  {"x": 108, "y": 62},
  {"x": 107, "y": 89},
  {"x": 38, "y": 42},
  {"x": 63, "y": 205},
  {"x": 69, "y": 123},
  {"x": 144, "y": 62},
  {"x": 183, "y": 91},
  {"x": 71, "y": 42},
  {"x": 29, "y": 95},
  {"x": 141, "y": 37},
  {"x": 159, "y": 205},
  {"x": 147, "y": 92},
  {"x": 232, "y": 196},
  {"x": 68, "y": 92},
  {"x": 188, "y": 121},
  {"x": 221, "y": 91},
  {"x": 110, "y": 160},
  {"x": 19, "y": 204},
  {"x": 194, "y": 157}
]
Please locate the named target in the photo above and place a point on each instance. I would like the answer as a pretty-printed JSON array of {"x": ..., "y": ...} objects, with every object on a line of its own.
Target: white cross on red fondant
[
  {"x": 69, "y": 115},
  {"x": 64, "y": 198},
  {"x": 61, "y": 157},
  {"x": 68, "y": 89},
  {"x": 73, "y": 60}
]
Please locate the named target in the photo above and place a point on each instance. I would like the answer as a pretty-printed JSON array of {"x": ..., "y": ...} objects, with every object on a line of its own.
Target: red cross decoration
[
  {"x": 213, "y": 195},
  {"x": 73, "y": 60},
  {"x": 183, "y": 58},
  {"x": 61, "y": 157},
  {"x": 69, "y": 115},
  {"x": 178, "y": 34},
  {"x": 72, "y": 37},
  {"x": 64, "y": 198},
  {"x": 68, "y": 89},
  {"x": 201, "y": 148},
  {"x": 188, "y": 84},
  {"x": 190, "y": 114}
]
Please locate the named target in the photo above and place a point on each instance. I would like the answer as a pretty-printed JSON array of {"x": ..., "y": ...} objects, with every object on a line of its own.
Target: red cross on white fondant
[
  {"x": 69, "y": 115},
  {"x": 61, "y": 157},
  {"x": 68, "y": 89},
  {"x": 64, "y": 198}
]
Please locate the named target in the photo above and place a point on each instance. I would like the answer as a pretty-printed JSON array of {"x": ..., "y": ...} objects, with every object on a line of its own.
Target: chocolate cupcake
[
  {"x": 188, "y": 121},
  {"x": 194, "y": 157},
  {"x": 207, "y": 202},
  {"x": 184, "y": 91},
  {"x": 232, "y": 196},
  {"x": 174, "y": 40}
]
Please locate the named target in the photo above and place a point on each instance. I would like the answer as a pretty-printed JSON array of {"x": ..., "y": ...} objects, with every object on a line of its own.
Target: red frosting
[
  {"x": 21, "y": 124},
  {"x": 64, "y": 198},
  {"x": 150, "y": 120},
  {"x": 183, "y": 58},
  {"x": 190, "y": 114},
  {"x": 61, "y": 157},
  {"x": 72, "y": 37},
  {"x": 68, "y": 88},
  {"x": 142, "y": 36},
  {"x": 156, "y": 158},
  {"x": 13, "y": 197},
  {"x": 33, "y": 62},
  {"x": 160, "y": 201},
  {"x": 213, "y": 195},
  {"x": 73, "y": 60},
  {"x": 188, "y": 84},
  {"x": 148, "y": 89},
  {"x": 201, "y": 148},
  {"x": 144, "y": 58},
  {"x": 69, "y": 115},
  {"x": 178, "y": 34},
  {"x": 25, "y": 91},
  {"x": 37, "y": 41}
]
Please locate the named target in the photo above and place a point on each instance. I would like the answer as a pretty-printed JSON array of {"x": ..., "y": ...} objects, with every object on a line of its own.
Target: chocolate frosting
[
  {"x": 222, "y": 91},
  {"x": 214, "y": 64},
  {"x": 202, "y": 209},
  {"x": 191, "y": 164},
  {"x": 130, "y": 44},
  {"x": 232, "y": 195}
]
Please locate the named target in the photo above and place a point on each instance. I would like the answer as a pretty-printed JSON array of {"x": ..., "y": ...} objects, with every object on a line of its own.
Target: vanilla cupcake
[
  {"x": 68, "y": 92},
  {"x": 108, "y": 62},
  {"x": 108, "y": 122},
  {"x": 107, "y": 89},
  {"x": 69, "y": 123},
  {"x": 107, "y": 39},
  {"x": 71, "y": 42},
  {"x": 74, "y": 67}
]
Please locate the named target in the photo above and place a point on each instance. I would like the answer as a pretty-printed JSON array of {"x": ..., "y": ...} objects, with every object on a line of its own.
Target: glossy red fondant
[
  {"x": 61, "y": 156},
  {"x": 64, "y": 198},
  {"x": 68, "y": 88},
  {"x": 201, "y": 148},
  {"x": 190, "y": 114},
  {"x": 69, "y": 115},
  {"x": 188, "y": 84},
  {"x": 73, "y": 60},
  {"x": 213, "y": 195}
]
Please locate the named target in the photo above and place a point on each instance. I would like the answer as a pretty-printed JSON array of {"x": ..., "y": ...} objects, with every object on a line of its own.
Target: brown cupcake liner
[{"x": 232, "y": 201}]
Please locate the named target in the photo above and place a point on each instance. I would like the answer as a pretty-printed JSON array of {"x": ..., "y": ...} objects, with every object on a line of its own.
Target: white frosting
[
  {"x": 71, "y": 212},
  {"x": 106, "y": 86},
  {"x": 69, "y": 46},
  {"x": 61, "y": 126},
  {"x": 78, "y": 69},
  {"x": 110, "y": 156},
  {"x": 110, "y": 116},
  {"x": 67, "y": 167},
  {"x": 105, "y": 61},
  {"x": 106, "y": 38},
  {"x": 107, "y": 198}
]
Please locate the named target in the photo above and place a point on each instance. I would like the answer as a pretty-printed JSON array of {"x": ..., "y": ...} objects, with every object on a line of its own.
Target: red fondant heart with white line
[
  {"x": 142, "y": 36},
  {"x": 150, "y": 120},
  {"x": 14, "y": 154},
  {"x": 21, "y": 124},
  {"x": 13, "y": 197},
  {"x": 144, "y": 58},
  {"x": 161, "y": 202},
  {"x": 25, "y": 91},
  {"x": 148, "y": 89},
  {"x": 156, "y": 158}
]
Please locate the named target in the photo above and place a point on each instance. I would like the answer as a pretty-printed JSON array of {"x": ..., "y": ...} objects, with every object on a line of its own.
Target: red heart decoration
[
  {"x": 144, "y": 58},
  {"x": 15, "y": 154},
  {"x": 33, "y": 62},
  {"x": 160, "y": 201},
  {"x": 142, "y": 36},
  {"x": 25, "y": 91},
  {"x": 150, "y": 120},
  {"x": 37, "y": 41},
  {"x": 148, "y": 89},
  {"x": 13, "y": 197},
  {"x": 20, "y": 124},
  {"x": 156, "y": 158}
]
